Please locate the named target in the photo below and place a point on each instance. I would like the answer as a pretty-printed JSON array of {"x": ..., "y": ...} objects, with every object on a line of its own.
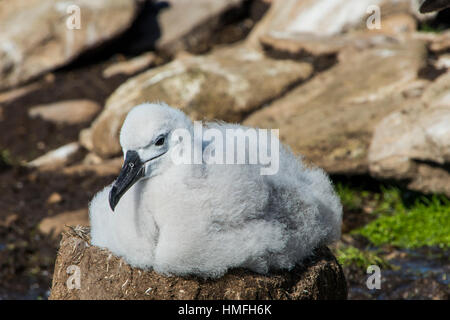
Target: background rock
[
  {"x": 54, "y": 225},
  {"x": 320, "y": 17},
  {"x": 226, "y": 84},
  {"x": 413, "y": 144},
  {"x": 132, "y": 66},
  {"x": 52, "y": 44},
  {"x": 196, "y": 23},
  {"x": 433, "y": 5},
  {"x": 104, "y": 276},
  {"x": 440, "y": 42},
  {"x": 56, "y": 158},
  {"x": 109, "y": 167},
  {"x": 13, "y": 94},
  {"x": 66, "y": 112},
  {"x": 330, "y": 119}
]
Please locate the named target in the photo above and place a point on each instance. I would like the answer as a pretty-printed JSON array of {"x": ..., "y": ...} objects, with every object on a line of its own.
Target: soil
[
  {"x": 421, "y": 274},
  {"x": 27, "y": 257}
]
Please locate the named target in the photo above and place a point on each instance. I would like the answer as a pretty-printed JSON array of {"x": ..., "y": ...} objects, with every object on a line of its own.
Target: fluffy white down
[{"x": 205, "y": 219}]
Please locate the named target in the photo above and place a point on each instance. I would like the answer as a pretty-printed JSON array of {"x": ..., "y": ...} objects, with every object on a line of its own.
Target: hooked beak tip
[{"x": 113, "y": 198}]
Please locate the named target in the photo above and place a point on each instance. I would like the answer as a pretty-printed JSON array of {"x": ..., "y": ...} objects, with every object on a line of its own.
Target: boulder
[
  {"x": 226, "y": 84},
  {"x": 440, "y": 43},
  {"x": 443, "y": 62},
  {"x": 56, "y": 158},
  {"x": 54, "y": 225},
  {"x": 304, "y": 45},
  {"x": 104, "y": 168},
  {"x": 196, "y": 24},
  {"x": 321, "y": 18},
  {"x": 104, "y": 276},
  {"x": 330, "y": 119},
  {"x": 434, "y": 5},
  {"x": 35, "y": 38},
  {"x": 66, "y": 112},
  {"x": 131, "y": 66},
  {"x": 413, "y": 144},
  {"x": 16, "y": 93}
]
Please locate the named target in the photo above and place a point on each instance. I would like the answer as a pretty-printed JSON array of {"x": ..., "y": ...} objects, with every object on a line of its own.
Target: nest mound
[{"x": 104, "y": 276}]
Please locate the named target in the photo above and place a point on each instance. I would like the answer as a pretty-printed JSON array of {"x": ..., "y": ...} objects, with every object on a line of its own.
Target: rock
[
  {"x": 104, "y": 276},
  {"x": 56, "y": 158},
  {"x": 14, "y": 94},
  {"x": 130, "y": 67},
  {"x": 66, "y": 112},
  {"x": 92, "y": 158},
  {"x": 398, "y": 23},
  {"x": 416, "y": 88},
  {"x": 321, "y": 28},
  {"x": 35, "y": 38},
  {"x": 226, "y": 84},
  {"x": 196, "y": 24},
  {"x": 443, "y": 62},
  {"x": 305, "y": 45},
  {"x": 330, "y": 119},
  {"x": 440, "y": 42},
  {"x": 438, "y": 94},
  {"x": 54, "y": 225},
  {"x": 413, "y": 144},
  {"x": 55, "y": 197},
  {"x": 9, "y": 220},
  {"x": 110, "y": 167},
  {"x": 320, "y": 18},
  {"x": 85, "y": 138},
  {"x": 434, "y": 5}
]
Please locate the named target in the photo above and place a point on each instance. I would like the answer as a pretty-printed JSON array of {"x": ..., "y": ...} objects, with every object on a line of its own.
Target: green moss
[
  {"x": 383, "y": 201},
  {"x": 403, "y": 218},
  {"x": 349, "y": 197},
  {"x": 5, "y": 159},
  {"x": 351, "y": 256},
  {"x": 425, "y": 223},
  {"x": 425, "y": 27}
]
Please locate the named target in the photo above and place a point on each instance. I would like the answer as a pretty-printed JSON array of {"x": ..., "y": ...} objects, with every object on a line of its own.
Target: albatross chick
[{"x": 205, "y": 218}]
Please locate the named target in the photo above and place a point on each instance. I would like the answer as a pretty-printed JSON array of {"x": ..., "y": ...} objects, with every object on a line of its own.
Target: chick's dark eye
[{"x": 159, "y": 142}]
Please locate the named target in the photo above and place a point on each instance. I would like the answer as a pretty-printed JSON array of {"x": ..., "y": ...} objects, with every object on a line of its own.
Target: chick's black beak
[{"x": 131, "y": 172}]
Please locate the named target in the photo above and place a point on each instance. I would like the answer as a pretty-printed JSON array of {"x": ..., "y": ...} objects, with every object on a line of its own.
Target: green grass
[
  {"x": 349, "y": 197},
  {"x": 386, "y": 200},
  {"x": 5, "y": 159},
  {"x": 351, "y": 256},
  {"x": 404, "y": 219},
  {"x": 425, "y": 27},
  {"x": 425, "y": 223}
]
